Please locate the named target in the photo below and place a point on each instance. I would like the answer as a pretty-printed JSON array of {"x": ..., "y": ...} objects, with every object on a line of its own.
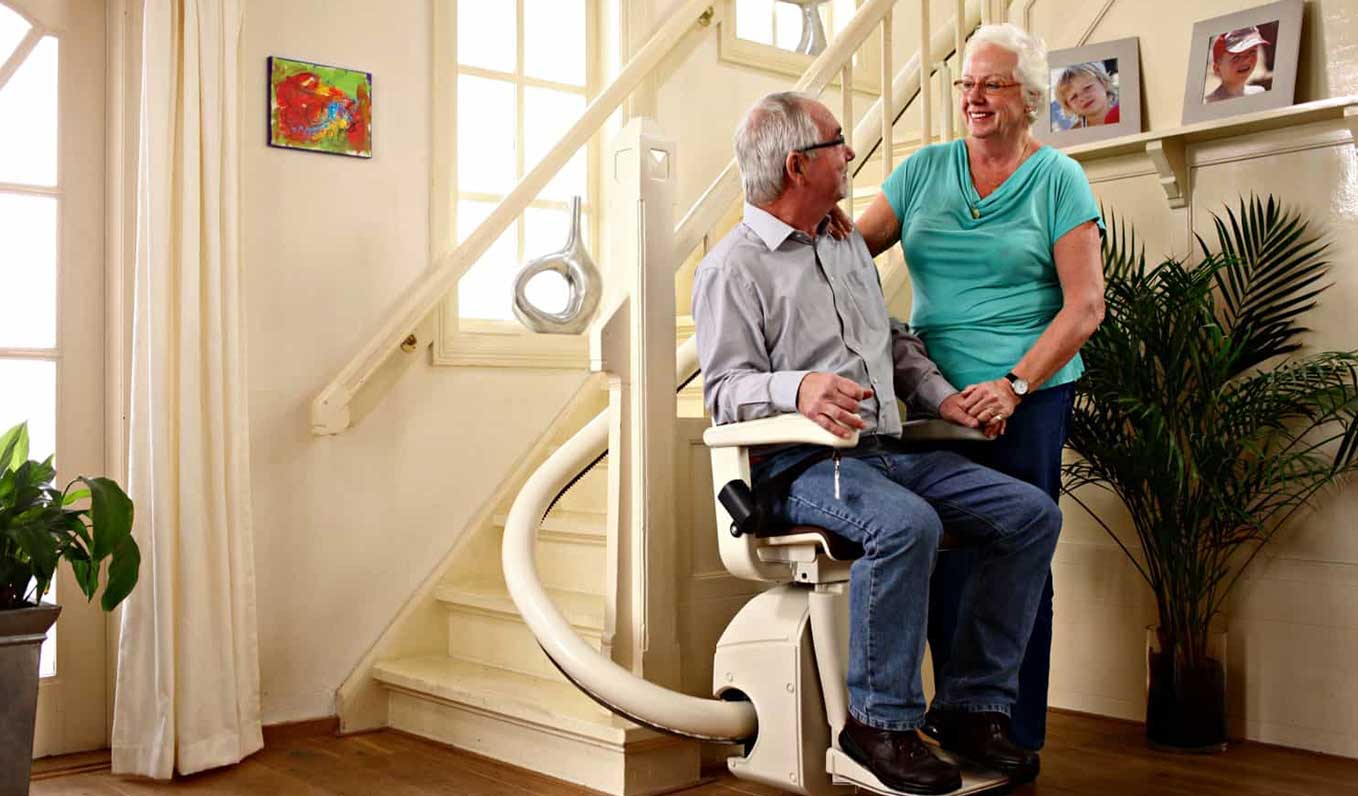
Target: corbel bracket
[
  {"x": 1167, "y": 155},
  {"x": 1351, "y": 122}
]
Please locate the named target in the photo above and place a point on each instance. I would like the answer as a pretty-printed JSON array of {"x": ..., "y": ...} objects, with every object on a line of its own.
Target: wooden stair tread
[
  {"x": 520, "y": 696},
  {"x": 583, "y": 610},
  {"x": 567, "y": 524}
]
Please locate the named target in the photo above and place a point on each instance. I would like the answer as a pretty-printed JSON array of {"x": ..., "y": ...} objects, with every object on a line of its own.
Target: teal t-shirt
[{"x": 985, "y": 284}]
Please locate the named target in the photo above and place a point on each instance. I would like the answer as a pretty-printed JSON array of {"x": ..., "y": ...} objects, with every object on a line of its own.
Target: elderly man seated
[{"x": 789, "y": 319}]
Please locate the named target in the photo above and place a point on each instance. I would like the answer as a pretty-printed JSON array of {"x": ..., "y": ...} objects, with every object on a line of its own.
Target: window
[
  {"x": 523, "y": 77},
  {"x": 776, "y": 24},
  {"x": 29, "y": 197},
  {"x": 765, "y": 33},
  {"x": 53, "y": 267}
]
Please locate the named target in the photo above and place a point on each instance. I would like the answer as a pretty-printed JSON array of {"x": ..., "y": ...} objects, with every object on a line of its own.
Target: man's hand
[
  {"x": 832, "y": 401},
  {"x": 953, "y": 409}
]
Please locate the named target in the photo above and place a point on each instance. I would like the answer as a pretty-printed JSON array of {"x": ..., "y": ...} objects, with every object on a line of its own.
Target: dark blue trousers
[{"x": 1030, "y": 450}]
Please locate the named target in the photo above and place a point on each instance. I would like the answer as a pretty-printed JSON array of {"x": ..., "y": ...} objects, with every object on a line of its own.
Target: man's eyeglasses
[
  {"x": 989, "y": 87},
  {"x": 822, "y": 145}
]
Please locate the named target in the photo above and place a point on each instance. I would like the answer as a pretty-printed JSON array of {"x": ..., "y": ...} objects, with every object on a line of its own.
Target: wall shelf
[{"x": 1167, "y": 149}]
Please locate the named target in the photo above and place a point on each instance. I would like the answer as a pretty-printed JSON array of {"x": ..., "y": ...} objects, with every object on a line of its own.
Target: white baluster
[
  {"x": 945, "y": 97},
  {"x": 926, "y": 103},
  {"x": 959, "y": 45},
  {"x": 846, "y": 125},
  {"x": 888, "y": 113}
]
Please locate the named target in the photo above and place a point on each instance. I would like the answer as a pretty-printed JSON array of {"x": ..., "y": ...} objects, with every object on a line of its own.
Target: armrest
[
  {"x": 935, "y": 429},
  {"x": 780, "y": 429}
]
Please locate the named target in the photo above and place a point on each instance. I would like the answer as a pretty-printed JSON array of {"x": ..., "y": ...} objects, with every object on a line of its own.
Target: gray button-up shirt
[{"x": 771, "y": 304}]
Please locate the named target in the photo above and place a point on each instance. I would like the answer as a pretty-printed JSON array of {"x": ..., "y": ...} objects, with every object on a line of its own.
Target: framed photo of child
[
  {"x": 1243, "y": 62},
  {"x": 1095, "y": 93}
]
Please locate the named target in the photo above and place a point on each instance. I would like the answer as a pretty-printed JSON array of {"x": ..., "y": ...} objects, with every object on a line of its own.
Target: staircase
[
  {"x": 492, "y": 691},
  {"x": 459, "y": 666}
]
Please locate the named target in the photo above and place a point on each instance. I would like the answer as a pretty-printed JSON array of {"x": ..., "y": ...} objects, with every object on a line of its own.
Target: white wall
[
  {"x": 1293, "y": 622},
  {"x": 346, "y": 527}
]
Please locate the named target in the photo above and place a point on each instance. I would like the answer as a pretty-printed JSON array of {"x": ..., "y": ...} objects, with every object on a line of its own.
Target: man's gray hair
[
  {"x": 773, "y": 127},
  {"x": 1032, "y": 60}
]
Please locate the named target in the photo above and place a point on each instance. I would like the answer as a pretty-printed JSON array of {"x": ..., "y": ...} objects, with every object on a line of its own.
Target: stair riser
[
  {"x": 572, "y": 565},
  {"x": 589, "y": 493},
  {"x": 505, "y": 643},
  {"x": 652, "y": 766}
]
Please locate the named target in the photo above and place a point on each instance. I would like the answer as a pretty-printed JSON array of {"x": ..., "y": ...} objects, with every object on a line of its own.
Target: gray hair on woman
[
  {"x": 1092, "y": 69},
  {"x": 1031, "y": 71},
  {"x": 773, "y": 127}
]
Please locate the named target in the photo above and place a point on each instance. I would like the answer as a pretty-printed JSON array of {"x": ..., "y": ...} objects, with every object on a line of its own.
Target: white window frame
[
  {"x": 766, "y": 57},
  {"x": 495, "y": 343},
  {"x": 75, "y": 707}
]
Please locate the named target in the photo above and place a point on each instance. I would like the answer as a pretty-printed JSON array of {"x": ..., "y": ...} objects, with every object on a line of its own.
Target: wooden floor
[{"x": 1086, "y": 756}]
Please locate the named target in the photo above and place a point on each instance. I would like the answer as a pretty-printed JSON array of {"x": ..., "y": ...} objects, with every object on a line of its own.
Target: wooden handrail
[
  {"x": 330, "y": 408},
  {"x": 867, "y": 133},
  {"x": 714, "y": 202},
  {"x": 723, "y": 191}
]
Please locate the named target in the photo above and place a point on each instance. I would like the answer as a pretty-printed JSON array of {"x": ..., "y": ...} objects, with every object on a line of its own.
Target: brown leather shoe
[
  {"x": 899, "y": 758},
  {"x": 983, "y": 738}
]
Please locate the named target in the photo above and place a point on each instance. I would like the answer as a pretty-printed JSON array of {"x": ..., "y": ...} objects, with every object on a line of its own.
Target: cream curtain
[{"x": 188, "y": 664}]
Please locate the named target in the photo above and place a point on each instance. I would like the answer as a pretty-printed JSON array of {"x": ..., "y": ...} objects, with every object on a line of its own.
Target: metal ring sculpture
[{"x": 574, "y": 265}]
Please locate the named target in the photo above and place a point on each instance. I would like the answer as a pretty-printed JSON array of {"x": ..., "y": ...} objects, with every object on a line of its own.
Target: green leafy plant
[
  {"x": 1198, "y": 413},
  {"x": 41, "y": 525}
]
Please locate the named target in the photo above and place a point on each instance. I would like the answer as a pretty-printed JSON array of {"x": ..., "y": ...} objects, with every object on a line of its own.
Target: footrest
[{"x": 843, "y": 770}]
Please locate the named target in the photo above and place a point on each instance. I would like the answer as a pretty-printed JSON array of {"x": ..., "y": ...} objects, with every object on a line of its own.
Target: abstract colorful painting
[{"x": 321, "y": 108}]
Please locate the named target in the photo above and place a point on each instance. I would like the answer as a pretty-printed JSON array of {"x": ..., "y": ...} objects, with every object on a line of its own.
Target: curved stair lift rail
[{"x": 599, "y": 676}]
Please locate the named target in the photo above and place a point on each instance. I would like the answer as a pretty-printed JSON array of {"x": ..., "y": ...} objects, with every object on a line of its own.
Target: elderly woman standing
[{"x": 1001, "y": 235}]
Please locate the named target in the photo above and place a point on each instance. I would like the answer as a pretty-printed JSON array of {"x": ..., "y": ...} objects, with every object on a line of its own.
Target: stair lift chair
[{"x": 786, "y": 650}]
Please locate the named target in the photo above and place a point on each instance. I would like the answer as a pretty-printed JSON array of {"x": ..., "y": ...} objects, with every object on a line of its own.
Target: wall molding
[{"x": 1174, "y": 152}]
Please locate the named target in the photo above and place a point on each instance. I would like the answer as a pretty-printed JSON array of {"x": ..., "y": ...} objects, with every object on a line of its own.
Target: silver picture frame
[
  {"x": 1110, "y": 69},
  {"x": 1272, "y": 33}
]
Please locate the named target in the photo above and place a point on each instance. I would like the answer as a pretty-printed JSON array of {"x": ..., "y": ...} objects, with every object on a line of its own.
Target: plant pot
[
  {"x": 21, "y": 634},
  {"x": 1185, "y": 699}
]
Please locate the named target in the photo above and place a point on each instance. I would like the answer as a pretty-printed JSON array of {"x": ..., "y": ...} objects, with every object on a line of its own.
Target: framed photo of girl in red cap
[{"x": 1243, "y": 62}]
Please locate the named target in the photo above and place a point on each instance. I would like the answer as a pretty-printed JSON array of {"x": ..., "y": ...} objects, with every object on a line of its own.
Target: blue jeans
[
  {"x": 895, "y": 503},
  {"x": 1030, "y": 451}
]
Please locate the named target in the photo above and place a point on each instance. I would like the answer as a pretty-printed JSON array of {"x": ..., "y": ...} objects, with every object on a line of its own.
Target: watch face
[{"x": 1020, "y": 386}]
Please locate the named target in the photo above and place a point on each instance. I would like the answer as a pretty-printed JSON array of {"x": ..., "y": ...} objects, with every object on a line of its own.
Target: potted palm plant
[
  {"x": 1199, "y": 413},
  {"x": 40, "y": 526}
]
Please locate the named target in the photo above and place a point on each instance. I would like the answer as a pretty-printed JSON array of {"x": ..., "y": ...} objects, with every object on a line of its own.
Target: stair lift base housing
[
  {"x": 768, "y": 654},
  {"x": 786, "y": 651}
]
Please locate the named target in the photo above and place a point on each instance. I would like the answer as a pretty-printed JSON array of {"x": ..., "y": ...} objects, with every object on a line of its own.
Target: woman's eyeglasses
[{"x": 989, "y": 87}]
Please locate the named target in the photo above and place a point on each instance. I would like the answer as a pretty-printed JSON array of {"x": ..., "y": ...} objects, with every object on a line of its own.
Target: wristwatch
[{"x": 1020, "y": 385}]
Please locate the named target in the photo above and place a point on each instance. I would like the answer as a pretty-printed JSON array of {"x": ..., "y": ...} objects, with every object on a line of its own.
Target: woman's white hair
[
  {"x": 773, "y": 127},
  {"x": 1031, "y": 71}
]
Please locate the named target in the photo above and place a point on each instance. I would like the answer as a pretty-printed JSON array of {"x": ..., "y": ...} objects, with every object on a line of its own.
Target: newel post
[{"x": 635, "y": 346}]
